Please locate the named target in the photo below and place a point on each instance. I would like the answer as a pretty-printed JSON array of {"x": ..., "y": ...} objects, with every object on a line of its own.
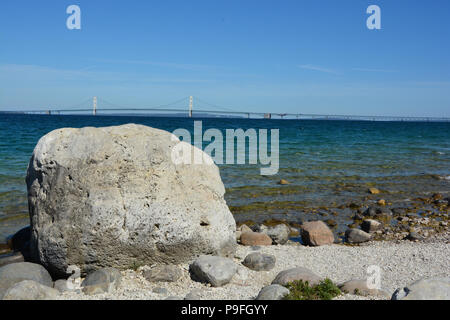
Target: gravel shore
[{"x": 401, "y": 262}]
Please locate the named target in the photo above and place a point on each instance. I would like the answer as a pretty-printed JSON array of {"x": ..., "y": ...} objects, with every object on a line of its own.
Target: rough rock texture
[
  {"x": 356, "y": 236},
  {"x": 114, "y": 197},
  {"x": 217, "y": 271},
  {"x": 100, "y": 281},
  {"x": 255, "y": 239},
  {"x": 259, "y": 261},
  {"x": 425, "y": 289},
  {"x": 279, "y": 234},
  {"x": 360, "y": 287},
  {"x": 272, "y": 292},
  {"x": 30, "y": 290},
  {"x": 26, "y": 271},
  {"x": 163, "y": 273},
  {"x": 316, "y": 233},
  {"x": 294, "y": 274}
]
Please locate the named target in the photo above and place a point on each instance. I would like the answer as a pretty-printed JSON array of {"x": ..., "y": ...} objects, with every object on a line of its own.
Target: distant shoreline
[{"x": 199, "y": 115}]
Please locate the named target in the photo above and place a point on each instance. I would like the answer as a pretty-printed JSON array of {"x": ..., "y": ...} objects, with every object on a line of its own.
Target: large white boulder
[{"x": 113, "y": 197}]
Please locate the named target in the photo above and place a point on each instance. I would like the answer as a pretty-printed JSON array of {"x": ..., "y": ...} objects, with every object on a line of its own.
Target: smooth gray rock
[
  {"x": 357, "y": 236},
  {"x": 414, "y": 236},
  {"x": 195, "y": 294},
  {"x": 244, "y": 228},
  {"x": 7, "y": 283},
  {"x": 279, "y": 233},
  {"x": 111, "y": 196},
  {"x": 160, "y": 291},
  {"x": 360, "y": 287},
  {"x": 163, "y": 273},
  {"x": 272, "y": 292},
  {"x": 294, "y": 274},
  {"x": 259, "y": 261},
  {"x": 27, "y": 271},
  {"x": 30, "y": 290},
  {"x": 63, "y": 285},
  {"x": 215, "y": 270},
  {"x": 425, "y": 289},
  {"x": 370, "y": 225},
  {"x": 100, "y": 281}
]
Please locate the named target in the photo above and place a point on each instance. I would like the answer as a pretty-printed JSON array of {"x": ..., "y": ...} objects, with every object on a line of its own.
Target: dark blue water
[{"x": 328, "y": 163}]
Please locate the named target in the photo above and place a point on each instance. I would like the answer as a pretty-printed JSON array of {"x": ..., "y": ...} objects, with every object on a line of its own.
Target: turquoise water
[{"x": 328, "y": 163}]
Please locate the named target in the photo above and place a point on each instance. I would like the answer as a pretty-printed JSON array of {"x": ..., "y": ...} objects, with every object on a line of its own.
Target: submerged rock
[
  {"x": 119, "y": 195},
  {"x": 370, "y": 225}
]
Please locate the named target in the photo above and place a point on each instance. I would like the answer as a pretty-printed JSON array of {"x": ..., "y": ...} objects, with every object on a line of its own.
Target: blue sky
[{"x": 292, "y": 56}]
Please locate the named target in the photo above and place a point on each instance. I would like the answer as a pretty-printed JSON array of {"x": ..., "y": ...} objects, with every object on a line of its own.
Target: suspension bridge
[{"x": 185, "y": 108}]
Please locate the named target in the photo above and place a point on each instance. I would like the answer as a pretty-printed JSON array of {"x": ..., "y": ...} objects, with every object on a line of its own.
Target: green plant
[
  {"x": 136, "y": 265},
  {"x": 301, "y": 290}
]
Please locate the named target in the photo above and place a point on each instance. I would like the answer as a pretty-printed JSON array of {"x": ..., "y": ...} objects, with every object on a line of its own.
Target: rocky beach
[{"x": 113, "y": 217}]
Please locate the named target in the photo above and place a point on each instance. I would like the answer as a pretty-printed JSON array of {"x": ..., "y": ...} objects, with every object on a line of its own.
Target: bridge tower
[
  {"x": 191, "y": 105},
  {"x": 94, "y": 106}
]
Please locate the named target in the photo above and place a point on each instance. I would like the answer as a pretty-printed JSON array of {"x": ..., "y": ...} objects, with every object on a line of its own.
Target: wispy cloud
[
  {"x": 317, "y": 68},
  {"x": 373, "y": 70},
  {"x": 183, "y": 66},
  {"x": 9, "y": 72},
  {"x": 432, "y": 83}
]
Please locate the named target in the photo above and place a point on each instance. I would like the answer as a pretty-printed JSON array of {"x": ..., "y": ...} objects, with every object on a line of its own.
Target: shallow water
[{"x": 328, "y": 163}]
